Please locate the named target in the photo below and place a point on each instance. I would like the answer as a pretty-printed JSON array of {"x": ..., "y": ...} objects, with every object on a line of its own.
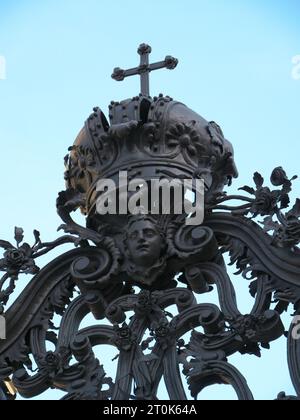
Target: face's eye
[
  {"x": 133, "y": 235},
  {"x": 149, "y": 233}
]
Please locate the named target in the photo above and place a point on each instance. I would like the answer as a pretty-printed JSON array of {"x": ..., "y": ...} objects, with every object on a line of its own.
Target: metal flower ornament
[
  {"x": 131, "y": 271},
  {"x": 20, "y": 259}
]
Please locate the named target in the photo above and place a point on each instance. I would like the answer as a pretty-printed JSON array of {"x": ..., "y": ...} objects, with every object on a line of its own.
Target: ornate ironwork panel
[{"x": 131, "y": 272}]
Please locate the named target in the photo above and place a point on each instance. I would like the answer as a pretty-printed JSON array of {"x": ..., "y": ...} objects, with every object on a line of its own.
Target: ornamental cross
[{"x": 145, "y": 68}]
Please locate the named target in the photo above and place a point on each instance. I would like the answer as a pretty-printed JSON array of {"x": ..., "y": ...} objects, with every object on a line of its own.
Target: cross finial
[{"x": 145, "y": 68}]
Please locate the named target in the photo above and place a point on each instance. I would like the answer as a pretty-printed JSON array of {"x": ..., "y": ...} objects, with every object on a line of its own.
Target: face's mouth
[{"x": 143, "y": 247}]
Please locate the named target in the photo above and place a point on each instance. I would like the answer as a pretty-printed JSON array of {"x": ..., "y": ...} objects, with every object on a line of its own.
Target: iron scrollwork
[{"x": 132, "y": 272}]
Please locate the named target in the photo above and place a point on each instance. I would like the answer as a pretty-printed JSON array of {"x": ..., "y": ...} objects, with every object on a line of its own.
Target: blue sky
[{"x": 235, "y": 68}]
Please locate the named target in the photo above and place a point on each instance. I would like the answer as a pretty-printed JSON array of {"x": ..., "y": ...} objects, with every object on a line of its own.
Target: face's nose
[{"x": 141, "y": 237}]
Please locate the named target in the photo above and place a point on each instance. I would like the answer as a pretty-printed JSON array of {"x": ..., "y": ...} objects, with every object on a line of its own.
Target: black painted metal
[
  {"x": 145, "y": 68},
  {"x": 151, "y": 138}
]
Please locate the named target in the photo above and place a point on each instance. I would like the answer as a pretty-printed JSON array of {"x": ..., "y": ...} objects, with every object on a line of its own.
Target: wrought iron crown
[{"x": 149, "y": 138}]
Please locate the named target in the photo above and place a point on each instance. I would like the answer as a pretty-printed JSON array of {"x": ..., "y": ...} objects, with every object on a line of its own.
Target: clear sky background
[{"x": 235, "y": 68}]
